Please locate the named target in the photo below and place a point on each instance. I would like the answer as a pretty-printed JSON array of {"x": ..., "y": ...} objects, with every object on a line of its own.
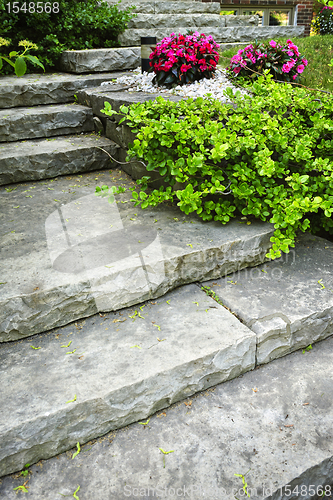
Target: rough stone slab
[
  {"x": 221, "y": 35},
  {"x": 120, "y": 372},
  {"x": 181, "y": 6},
  {"x": 175, "y": 7},
  {"x": 282, "y": 301},
  {"x": 220, "y": 432},
  {"x": 95, "y": 98},
  {"x": 44, "y": 121},
  {"x": 66, "y": 255},
  {"x": 36, "y": 89},
  {"x": 46, "y": 158},
  {"x": 241, "y": 20},
  {"x": 96, "y": 60},
  {"x": 148, "y": 21}
]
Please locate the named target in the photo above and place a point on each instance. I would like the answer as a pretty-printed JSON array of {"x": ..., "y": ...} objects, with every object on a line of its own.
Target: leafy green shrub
[
  {"x": 20, "y": 66},
  {"x": 323, "y": 22},
  {"x": 79, "y": 24},
  {"x": 271, "y": 156}
]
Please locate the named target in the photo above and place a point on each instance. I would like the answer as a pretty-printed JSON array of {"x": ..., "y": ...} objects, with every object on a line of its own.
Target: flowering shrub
[
  {"x": 184, "y": 59},
  {"x": 323, "y": 23},
  {"x": 20, "y": 66},
  {"x": 283, "y": 61}
]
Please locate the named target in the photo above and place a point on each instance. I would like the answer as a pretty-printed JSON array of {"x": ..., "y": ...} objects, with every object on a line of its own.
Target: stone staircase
[
  {"x": 102, "y": 321},
  {"x": 160, "y": 19},
  {"x": 42, "y": 130}
]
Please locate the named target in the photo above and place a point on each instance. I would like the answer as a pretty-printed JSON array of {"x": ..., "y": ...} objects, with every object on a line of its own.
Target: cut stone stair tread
[
  {"x": 97, "y": 60},
  {"x": 288, "y": 303},
  {"x": 170, "y": 7},
  {"x": 131, "y": 37},
  {"x": 84, "y": 380},
  {"x": 273, "y": 423},
  {"x": 44, "y": 121},
  {"x": 46, "y": 158},
  {"x": 147, "y": 21},
  {"x": 63, "y": 254},
  {"x": 50, "y": 88},
  {"x": 95, "y": 98}
]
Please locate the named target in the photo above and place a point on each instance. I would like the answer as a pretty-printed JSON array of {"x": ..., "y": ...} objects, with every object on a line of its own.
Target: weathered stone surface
[
  {"x": 74, "y": 254},
  {"x": 172, "y": 7},
  {"x": 240, "y": 425},
  {"x": 44, "y": 121},
  {"x": 231, "y": 34},
  {"x": 95, "y": 98},
  {"x": 140, "y": 5},
  {"x": 35, "y": 89},
  {"x": 96, "y": 60},
  {"x": 118, "y": 371},
  {"x": 144, "y": 21},
  {"x": 120, "y": 134},
  {"x": 47, "y": 158},
  {"x": 283, "y": 302},
  {"x": 241, "y": 20},
  {"x": 265, "y": 32},
  {"x": 190, "y": 7}
]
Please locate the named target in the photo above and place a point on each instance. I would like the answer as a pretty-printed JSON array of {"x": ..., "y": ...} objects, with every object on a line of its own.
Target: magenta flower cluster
[
  {"x": 180, "y": 59},
  {"x": 284, "y": 61}
]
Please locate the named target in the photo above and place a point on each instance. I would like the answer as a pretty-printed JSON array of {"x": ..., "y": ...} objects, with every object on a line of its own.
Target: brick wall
[{"x": 304, "y": 14}]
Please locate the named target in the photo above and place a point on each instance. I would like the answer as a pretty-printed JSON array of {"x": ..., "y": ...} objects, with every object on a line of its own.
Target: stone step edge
[
  {"x": 43, "y": 89},
  {"x": 99, "y": 60},
  {"x": 32, "y": 123},
  {"x": 227, "y": 350},
  {"x": 55, "y": 157},
  {"x": 131, "y": 37}
]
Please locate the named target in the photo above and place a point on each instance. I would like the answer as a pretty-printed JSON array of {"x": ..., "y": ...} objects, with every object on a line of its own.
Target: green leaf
[
  {"x": 20, "y": 66},
  {"x": 34, "y": 60}
]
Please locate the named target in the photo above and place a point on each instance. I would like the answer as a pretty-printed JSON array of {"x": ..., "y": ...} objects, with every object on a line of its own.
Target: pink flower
[
  {"x": 300, "y": 68},
  {"x": 305, "y": 62},
  {"x": 290, "y": 53},
  {"x": 185, "y": 67},
  {"x": 236, "y": 70},
  {"x": 294, "y": 77},
  {"x": 272, "y": 44}
]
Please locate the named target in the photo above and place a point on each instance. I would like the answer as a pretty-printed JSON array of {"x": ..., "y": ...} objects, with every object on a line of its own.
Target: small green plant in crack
[
  {"x": 25, "y": 471},
  {"x": 211, "y": 293}
]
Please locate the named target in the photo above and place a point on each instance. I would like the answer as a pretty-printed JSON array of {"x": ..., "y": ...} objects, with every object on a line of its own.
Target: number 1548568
[{"x": 32, "y": 7}]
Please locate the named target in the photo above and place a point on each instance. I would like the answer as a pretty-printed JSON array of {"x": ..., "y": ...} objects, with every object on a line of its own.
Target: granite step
[
  {"x": 98, "y": 60},
  {"x": 44, "y": 121},
  {"x": 273, "y": 424},
  {"x": 153, "y": 21},
  {"x": 287, "y": 302},
  {"x": 47, "y": 158},
  {"x": 132, "y": 37},
  {"x": 88, "y": 378},
  {"x": 55, "y": 88},
  {"x": 67, "y": 254},
  {"x": 172, "y": 7}
]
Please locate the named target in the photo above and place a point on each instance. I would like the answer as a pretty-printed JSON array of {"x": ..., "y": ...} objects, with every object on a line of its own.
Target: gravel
[{"x": 142, "y": 82}]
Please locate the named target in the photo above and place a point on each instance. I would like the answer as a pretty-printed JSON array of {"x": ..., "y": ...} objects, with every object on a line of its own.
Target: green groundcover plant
[
  {"x": 269, "y": 155},
  {"x": 66, "y": 25}
]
